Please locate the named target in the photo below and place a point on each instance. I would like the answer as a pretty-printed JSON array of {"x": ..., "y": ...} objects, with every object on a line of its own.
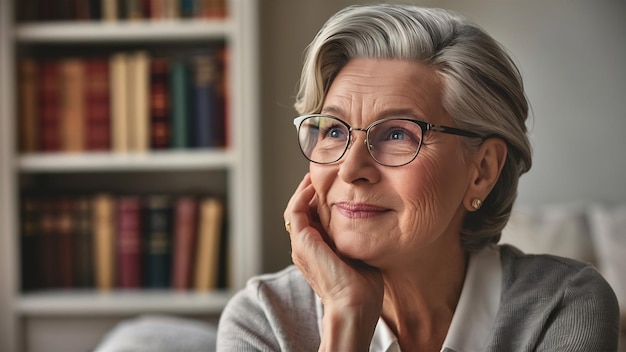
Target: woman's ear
[{"x": 488, "y": 162}]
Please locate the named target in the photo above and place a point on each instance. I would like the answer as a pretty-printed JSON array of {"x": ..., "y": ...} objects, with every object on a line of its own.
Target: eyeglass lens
[{"x": 393, "y": 142}]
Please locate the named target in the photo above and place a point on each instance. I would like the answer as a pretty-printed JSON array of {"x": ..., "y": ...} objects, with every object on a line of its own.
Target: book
[
  {"x": 133, "y": 9},
  {"x": 104, "y": 241},
  {"x": 138, "y": 104},
  {"x": 160, "y": 121},
  {"x": 222, "y": 93},
  {"x": 184, "y": 240},
  {"x": 28, "y": 104},
  {"x": 49, "y": 252},
  {"x": 119, "y": 102},
  {"x": 30, "y": 244},
  {"x": 72, "y": 122},
  {"x": 157, "y": 9},
  {"x": 211, "y": 9},
  {"x": 83, "y": 248},
  {"x": 128, "y": 242},
  {"x": 49, "y": 106},
  {"x": 157, "y": 242},
  {"x": 65, "y": 231},
  {"x": 172, "y": 9},
  {"x": 205, "y": 78},
  {"x": 97, "y": 105},
  {"x": 95, "y": 9},
  {"x": 209, "y": 237},
  {"x": 110, "y": 10},
  {"x": 181, "y": 107},
  {"x": 186, "y": 8}
]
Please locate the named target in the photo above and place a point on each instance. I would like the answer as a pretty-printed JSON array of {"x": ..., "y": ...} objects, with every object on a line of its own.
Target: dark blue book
[
  {"x": 158, "y": 242},
  {"x": 205, "y": 124}
]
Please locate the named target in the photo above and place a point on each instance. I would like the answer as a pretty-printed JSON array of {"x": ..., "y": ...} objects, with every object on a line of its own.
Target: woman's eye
[
  {"x": 397, "y": 135},
  {"x": 335, "y": 132}
]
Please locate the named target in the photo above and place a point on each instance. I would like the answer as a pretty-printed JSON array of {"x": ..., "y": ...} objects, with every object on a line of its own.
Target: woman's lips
[{"x": 359, "y": 210}]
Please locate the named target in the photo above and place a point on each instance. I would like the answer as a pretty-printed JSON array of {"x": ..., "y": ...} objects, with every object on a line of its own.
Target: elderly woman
[{"x": 413, "y": 120}]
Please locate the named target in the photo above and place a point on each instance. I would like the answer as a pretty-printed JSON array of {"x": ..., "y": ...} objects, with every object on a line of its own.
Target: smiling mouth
[{"x": 359, "y": 211}]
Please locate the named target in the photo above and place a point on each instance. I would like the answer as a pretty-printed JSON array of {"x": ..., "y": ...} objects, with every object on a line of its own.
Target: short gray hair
[{"x": 483, "y": 89}]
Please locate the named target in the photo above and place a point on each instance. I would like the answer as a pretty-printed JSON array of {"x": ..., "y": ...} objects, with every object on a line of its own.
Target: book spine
[
  {"x": 83, "y": 249},
  {"x": 66, "y": 229},
  {"x": 205, "y": 99},
  {"x": 30, "y": 244},
  {"x": 138, "y": 104},
  {"x": 28, "y": 105},
  {"x": 172, "y": 9},
  {"x": 49, "y": 245},
  {"x": 104, "y": 241},
  {"x": 181, "y": 104},
  {"x": 119, "y": 102},
  {"x": 49, "y": 105},
  {"x": 72, "y": 124},
  {"x": 160, "y": 123},
  {"x": 186, "y": 9},
  {"x": 109, "y": 10},
  {"x": 226, "y": 79},
  {"x": 209, "y": 237},
  {"x": 129, "y": 242},
  {"x": 185, "y": 228},
  {"x": 97, "y": 109},
  {"x": 221, "y": 97},
  {"x": 158, "y": 242}
]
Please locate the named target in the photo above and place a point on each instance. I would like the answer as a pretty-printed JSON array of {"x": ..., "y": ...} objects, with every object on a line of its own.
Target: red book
[
  {"x": 129, "y": 242},
  {"x": 160, "y": 124},
  {"x": 158, "y": 242},
  {"x": 185, "y": 231},
  {"x": 49, "y": 106},
  {"x": 97, "y": 107}
]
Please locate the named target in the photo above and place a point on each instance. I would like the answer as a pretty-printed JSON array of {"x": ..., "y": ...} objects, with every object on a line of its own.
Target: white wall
[{"x": 571, "y": 53}]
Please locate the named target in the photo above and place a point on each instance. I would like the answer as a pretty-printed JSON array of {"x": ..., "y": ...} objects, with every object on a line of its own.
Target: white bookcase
[{"x": 72, "y": 320}]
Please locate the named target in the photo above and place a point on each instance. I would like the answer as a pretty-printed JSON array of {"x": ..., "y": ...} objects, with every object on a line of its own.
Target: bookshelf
[{"x": 42, "y": 319}]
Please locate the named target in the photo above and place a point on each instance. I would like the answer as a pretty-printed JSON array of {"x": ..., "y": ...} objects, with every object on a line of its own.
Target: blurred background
[{"x": 571, "y": 54}]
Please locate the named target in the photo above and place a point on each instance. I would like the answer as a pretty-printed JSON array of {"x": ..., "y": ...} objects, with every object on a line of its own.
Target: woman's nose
[{"x": 357, "y": 164}]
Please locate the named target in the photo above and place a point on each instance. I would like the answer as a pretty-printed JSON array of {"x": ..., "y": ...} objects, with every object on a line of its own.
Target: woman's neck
[{"x": 420, "y": 299}]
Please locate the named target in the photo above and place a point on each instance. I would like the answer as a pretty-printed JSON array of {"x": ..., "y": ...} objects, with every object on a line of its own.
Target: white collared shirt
[{"x": 475, "y": 312}]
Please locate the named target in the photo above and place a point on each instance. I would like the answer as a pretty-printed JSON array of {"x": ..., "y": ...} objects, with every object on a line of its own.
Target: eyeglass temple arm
[{"x": 455, "y": 131}]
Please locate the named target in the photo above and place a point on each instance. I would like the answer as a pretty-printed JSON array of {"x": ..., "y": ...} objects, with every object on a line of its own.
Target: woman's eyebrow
[{"x": 332, "y": 110}]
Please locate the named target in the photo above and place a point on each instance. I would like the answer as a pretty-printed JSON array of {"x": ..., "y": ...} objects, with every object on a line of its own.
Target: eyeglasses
[{"x": 325, "y": 139}]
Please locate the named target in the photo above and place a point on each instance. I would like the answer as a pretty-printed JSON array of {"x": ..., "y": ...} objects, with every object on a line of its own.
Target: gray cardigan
[{"x": 548, "y": 303}]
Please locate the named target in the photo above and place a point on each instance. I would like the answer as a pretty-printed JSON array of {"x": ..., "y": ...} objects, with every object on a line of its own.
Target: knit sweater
[{"x": 547, "y": 303}]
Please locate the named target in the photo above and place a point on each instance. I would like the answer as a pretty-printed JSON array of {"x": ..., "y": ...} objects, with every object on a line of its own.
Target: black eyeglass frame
[{"x": 424, "y": 127}]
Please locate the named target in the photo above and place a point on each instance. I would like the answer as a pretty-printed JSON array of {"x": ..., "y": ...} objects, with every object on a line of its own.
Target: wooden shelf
[
  {"x": 98, "y": 32},
  {"x": 95, "y": 303},
  {"x": 108, "y": 162}
]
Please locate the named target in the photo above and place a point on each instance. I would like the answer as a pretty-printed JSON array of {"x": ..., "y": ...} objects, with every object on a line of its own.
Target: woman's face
[{"x": 384, "y": 215}]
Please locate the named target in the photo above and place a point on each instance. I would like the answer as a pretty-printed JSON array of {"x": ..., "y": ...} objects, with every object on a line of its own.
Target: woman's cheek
[{"x": 321, "y": 185}]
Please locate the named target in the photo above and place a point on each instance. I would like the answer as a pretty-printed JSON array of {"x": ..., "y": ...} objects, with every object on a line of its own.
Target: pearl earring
[{"x": 477, "y": 203}]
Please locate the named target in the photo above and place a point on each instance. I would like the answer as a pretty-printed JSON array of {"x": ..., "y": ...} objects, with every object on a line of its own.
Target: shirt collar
[{"x": 474, "y": 316}]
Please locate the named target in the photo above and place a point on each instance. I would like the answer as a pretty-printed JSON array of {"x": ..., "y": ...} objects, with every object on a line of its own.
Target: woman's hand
[{"x": 351, "y": 291}]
